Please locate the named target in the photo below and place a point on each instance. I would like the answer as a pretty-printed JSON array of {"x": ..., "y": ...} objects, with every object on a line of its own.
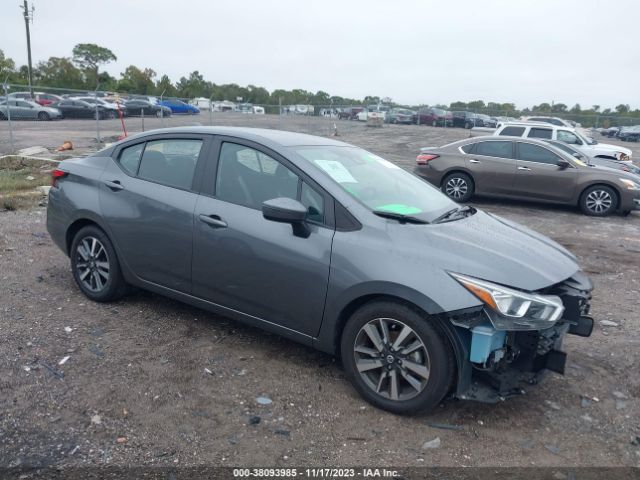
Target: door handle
[
  {"x": 114, "y": 185},
  {"x": 524, "y": 168},
  {"x": 473, "y": 160},
  {"x": 212, "y": 220}
]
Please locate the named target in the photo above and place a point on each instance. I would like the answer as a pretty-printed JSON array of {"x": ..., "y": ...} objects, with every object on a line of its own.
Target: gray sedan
[
  {"x": 329, "y": 245},
  {"x": 27, "y": 110}
]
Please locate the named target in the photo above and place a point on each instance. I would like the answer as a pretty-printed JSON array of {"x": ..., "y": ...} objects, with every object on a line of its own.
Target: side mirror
[
  {"x": 287, "y": 210},
  {"x": 562, "y": 163}
]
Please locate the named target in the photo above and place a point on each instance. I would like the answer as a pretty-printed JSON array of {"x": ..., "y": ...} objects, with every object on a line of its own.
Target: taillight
[
  {"x": 425, "y": 158},
  {"x": 56, "y": 175}
]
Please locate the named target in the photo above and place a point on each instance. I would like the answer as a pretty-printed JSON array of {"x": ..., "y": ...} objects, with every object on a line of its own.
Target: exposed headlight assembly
[
  {"x": 511, "y": 309},
  {"x": 630, "y": 184}
]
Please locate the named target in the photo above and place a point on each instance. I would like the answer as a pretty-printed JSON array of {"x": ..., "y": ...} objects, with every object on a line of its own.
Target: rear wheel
[
  {"x": 598, "y": 201},
  {"x": 95, "y": 266},
  {"x": 43, "y": 116},
  {"x": 396, "y": 357},
  {"x": 458, "y": 186},
  {"x": 2, "y": 116}
]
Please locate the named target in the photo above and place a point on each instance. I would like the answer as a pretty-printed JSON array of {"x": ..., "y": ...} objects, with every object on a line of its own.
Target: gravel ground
[{"x": 150, "y": 381}]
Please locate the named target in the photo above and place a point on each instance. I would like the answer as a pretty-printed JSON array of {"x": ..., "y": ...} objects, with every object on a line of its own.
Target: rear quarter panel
[{"x": 75, "y": 197}]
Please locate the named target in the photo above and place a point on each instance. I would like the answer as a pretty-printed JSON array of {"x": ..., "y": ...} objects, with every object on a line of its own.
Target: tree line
[{"x": 81, "y": 71}]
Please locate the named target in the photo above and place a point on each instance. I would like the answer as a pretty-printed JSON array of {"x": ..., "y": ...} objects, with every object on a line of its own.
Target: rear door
[
  {"x": 147, "y": 197},
  {"x": 539, "y": 176},
  {"x": 492, "y": 166},
  {"x": 252, "y": 265}
]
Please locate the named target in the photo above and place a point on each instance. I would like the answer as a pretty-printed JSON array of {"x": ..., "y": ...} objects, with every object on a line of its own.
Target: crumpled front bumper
[{"x": 528, "y": 355}]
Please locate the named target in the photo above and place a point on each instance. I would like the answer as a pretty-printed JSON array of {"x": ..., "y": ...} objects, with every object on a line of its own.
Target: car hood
[
  {"x": 492, "y": 248},
  {"x": 607, "y": 147}
]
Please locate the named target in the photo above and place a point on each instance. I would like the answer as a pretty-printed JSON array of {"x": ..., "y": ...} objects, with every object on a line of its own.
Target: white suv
[{"x": 589, "y": 147}]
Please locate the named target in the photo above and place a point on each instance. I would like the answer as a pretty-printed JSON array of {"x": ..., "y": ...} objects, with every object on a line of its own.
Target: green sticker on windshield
[{"x": 399, "y": 208}]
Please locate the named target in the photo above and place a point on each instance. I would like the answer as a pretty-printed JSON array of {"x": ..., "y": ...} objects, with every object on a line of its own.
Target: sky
[{"x": 413, "y": 51}]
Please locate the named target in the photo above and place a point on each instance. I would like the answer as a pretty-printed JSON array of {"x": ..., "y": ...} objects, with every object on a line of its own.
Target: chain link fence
[{"x": 93, "y": 118}]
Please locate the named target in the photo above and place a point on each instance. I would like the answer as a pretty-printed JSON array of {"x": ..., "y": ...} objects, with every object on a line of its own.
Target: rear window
[
  {"x": 540, "y": 133},
  {"x": 512, "y": 131}
]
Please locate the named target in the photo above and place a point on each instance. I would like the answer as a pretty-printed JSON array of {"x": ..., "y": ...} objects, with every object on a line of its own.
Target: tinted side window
[
  {"x": 512, "y": 131},
  {"x": 540, "y": 133},
  {"x": 249, "y": 177},
  {"x": 170, "y": 162},
  {"x": 130, "y": 158},
  {"x": 494, "y": 149},
  {"x": 536, "y": 153}
]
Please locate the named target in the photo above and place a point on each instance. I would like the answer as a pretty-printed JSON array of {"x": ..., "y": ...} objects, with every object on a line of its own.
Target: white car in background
[
  {"x": 571, "y": 136},
  {"x": 366, "y": 114},
  {"x": 201, "y": 102}
]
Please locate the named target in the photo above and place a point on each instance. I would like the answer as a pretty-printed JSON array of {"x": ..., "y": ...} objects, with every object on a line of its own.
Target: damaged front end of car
[{"x": 516, "y": 337}]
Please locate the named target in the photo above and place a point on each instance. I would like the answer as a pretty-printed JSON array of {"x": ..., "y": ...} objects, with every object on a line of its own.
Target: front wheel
[
  {"x": 458, "y": 186},
  {"x": 95, "y": 266},
  {"x": 43, "y": 116},
  {"x": 598, "y": 201},
  {"x": 397, "y": 358}
]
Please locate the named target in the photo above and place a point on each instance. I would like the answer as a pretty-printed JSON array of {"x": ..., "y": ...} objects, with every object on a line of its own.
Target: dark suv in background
[{"x": 464, "y": 119}]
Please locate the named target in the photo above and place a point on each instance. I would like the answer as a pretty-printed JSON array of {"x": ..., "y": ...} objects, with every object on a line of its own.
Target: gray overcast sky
[{"x": 527, "y": 52}]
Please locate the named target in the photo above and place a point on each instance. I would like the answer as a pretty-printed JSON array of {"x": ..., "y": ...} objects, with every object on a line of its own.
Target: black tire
[
  {"x": 458, "y": 186},
  {"x": 468, "y": 125},
  {"x": 43, "y": 116},
  {"x": 2, "y": 116},
  {"x": 439, "y": 355},
  {"x": 599, "y": 201},
  {"x": 115, "y": 286}
]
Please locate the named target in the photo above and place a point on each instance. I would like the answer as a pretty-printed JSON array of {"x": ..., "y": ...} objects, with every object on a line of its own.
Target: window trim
[{"x": 211, "y": 172}]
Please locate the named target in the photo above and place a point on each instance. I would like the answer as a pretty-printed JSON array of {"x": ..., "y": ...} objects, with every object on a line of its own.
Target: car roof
[
  {"x": 525, "y": 123},
  {"x": 259, "y": 135}
]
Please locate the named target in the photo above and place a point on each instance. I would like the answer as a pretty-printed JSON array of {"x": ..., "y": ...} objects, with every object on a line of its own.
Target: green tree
[
  {"x": 139, "y": 81},
  {"x": 89, "y": 57},
  {"x": 165, "y": 87},
  {"x": 7, "y": 66},
  {"x": 622, "y": 109},
  {"x": 476, "y": 105},
  {"x": 596, "y": 108},
  {"x": 576, "y": 108},
  {"x": 194, "y": 86},
  {"x": 559, "y": 108},
  {"x": 58, "y": 72}
]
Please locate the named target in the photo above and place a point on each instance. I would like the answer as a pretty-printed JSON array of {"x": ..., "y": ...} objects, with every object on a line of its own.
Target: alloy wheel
[
  {"x": 92, "y": 264},
  {"x": 391, "y": 359},
  {"x": 599, "y": 201},
  {"x": 456, "y": 187}
]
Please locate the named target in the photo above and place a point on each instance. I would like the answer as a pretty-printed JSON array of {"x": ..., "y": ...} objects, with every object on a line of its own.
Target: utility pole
[{"x": 28, "y": 17}]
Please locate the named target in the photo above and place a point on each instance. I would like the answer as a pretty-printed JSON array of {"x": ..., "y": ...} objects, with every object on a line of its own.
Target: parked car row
[
  {"x": 626, "y": 134},
  {"x": 528, "y": 168}
]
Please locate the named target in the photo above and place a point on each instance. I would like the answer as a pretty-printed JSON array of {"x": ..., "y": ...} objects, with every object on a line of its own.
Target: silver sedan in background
[{"x": 27, "y": 110}]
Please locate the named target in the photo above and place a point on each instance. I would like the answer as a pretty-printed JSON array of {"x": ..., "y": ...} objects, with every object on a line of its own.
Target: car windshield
[
  {"x": 439, "y": 111},
  {"x": 379, "y": 184}
]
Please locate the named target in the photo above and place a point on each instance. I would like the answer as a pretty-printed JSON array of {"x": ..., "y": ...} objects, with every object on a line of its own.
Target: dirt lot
[{"x": 134, "y": 390}]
